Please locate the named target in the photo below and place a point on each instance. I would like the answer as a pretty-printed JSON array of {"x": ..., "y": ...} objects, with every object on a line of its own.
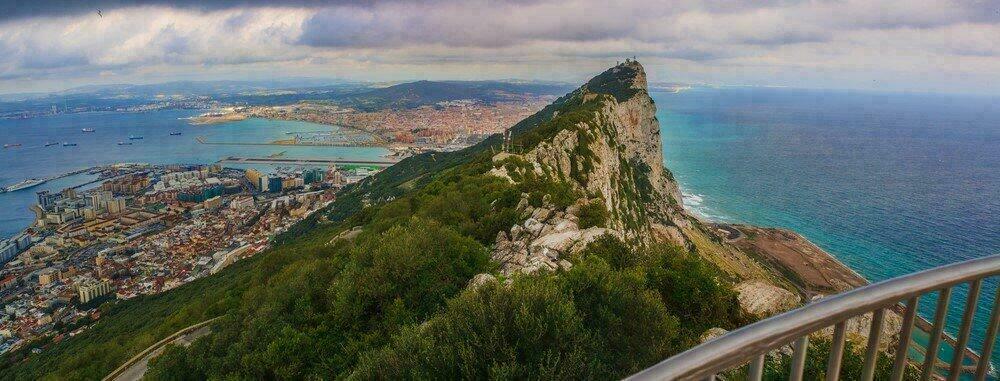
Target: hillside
[
  {"x": 562, "y": 253},
  {"x": 198, "y": 94},
  {"x": 423, "y": 93}
]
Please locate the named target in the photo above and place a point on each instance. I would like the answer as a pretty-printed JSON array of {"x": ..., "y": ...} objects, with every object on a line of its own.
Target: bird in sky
[{"x": 99, "y": 13}]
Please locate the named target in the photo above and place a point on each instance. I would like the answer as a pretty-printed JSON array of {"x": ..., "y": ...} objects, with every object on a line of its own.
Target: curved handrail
[{"x": 743, "y": 345}]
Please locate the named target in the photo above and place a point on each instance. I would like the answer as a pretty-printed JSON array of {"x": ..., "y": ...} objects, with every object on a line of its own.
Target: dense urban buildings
[
  {"x": 444, "y": 126},
  {"x": 143, "y": 230}
]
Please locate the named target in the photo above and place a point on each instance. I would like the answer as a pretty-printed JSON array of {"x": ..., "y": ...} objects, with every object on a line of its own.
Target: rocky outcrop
[
  {"x": 609, "y": 153},
  {"x": 543, "y": 241},
  {"x": 763, "y": 299},
  {"x": 615, "y": 155}
]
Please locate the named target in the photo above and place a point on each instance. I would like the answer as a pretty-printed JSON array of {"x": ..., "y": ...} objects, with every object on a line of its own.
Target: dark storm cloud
[
  {"x": 483, "y": 24},
  {"x": 18, "y": 9}
]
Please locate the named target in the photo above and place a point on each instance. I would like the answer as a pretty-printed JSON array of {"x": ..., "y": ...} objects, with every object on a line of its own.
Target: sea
[
  {"x": 888, "y": 183},
  {"x": 34, "y": 160}
]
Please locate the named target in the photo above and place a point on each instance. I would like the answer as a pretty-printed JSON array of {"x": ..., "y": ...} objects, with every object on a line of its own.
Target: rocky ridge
[{"x": 613, "y": 157}]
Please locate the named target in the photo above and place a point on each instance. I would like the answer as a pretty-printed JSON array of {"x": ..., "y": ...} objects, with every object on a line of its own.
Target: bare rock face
[
  {"x": 618, "y": 155},
  {"x": 763, "y": 299},
  {"x": 615, "y": 156},
  {"x": 542, "y": 241}
]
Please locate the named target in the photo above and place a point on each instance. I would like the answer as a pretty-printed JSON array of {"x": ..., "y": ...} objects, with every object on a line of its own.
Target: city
[
  {"x": 144, "y": 230},
  {"x": 444, "y": 126}
]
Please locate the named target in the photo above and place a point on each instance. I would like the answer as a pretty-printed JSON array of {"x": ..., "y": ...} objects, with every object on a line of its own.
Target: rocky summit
[{"x": 611, "y": 154}]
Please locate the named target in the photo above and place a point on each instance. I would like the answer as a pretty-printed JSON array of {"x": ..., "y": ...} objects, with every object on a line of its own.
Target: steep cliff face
[{"x": 605, "y": 144}]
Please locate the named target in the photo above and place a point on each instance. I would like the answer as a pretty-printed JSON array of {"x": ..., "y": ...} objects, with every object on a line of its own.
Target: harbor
[
  {"x": 304, "y": 161},
  {"x": 29, "y": 183}
]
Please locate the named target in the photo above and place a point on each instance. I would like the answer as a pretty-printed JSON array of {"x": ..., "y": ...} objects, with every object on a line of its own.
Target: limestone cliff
[{"x": 604, "y": 142}]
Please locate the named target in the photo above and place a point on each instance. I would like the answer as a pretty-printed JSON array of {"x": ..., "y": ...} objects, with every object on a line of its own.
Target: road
[{"x": 136, "y": 367}]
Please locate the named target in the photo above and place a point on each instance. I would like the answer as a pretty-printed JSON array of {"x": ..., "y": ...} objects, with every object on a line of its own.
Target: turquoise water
[
  {"x": 33, "y": 159},
  {"x": 890, "y": 184}
]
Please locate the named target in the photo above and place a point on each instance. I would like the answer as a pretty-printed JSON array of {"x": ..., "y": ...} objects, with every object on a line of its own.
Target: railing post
[
  {"x": 991, "y": 336},
  {"x": 963, "y": 333},
  {"x": 756, "y": 370},
  {"x": 939, "y": 319},
  {"x": 836, "y": 352},
  {"x": 899, "y": 363},
  {"x": 799, "y": 358},
  {"x": 871, "y": 356}
]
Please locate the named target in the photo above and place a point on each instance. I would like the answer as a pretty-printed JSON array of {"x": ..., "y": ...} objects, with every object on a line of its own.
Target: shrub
[{"x": 593, "y": 214}]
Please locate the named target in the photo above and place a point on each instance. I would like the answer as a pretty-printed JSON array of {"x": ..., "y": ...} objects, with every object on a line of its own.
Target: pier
[
  {"x": 303, "y": 161},
  {"x": 293, "y": 142}
]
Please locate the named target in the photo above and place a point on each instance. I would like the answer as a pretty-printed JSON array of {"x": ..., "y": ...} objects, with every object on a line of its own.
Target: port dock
[{"x": 303, "y": 161}]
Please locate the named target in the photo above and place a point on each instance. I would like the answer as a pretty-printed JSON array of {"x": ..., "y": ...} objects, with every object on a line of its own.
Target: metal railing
[{"x": 752, "y": 343}]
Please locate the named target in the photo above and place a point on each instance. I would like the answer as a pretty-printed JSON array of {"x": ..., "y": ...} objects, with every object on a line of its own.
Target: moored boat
[{"x": 28, "y": 183}]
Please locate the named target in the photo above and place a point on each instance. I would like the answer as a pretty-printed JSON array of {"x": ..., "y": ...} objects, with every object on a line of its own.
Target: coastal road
[{"x": 136, "y": 367}]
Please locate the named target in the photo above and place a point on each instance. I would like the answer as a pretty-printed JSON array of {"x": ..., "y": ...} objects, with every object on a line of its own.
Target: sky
[{"x": 914, "y": 45}]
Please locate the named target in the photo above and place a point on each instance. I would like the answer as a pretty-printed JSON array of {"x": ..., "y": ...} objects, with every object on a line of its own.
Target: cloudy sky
[{"x": 914, "y": 45}]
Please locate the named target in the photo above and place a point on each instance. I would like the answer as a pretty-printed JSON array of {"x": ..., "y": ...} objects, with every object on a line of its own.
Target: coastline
[
  {"x": 814, "y": 272},
  {"x": 811, "y": 269},
  {"x": 784, "y": 253}
]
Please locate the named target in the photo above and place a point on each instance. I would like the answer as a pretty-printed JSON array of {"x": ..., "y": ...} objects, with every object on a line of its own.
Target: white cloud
[{"x": 921, "y": 44}]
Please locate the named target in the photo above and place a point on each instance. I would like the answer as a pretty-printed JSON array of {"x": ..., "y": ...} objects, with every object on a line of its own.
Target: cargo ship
[
  {"x": 11, "y": 145},
  {"x": 87, "y": 129},
  {"x": 69, "y": 144},
  {"x": 132, "y": 137},
  {"x": 124, "y": 143},
  {"x": 23, "y": 185},
  {"x": 50, "y": 144},
  {"x": 175, "y": 134}
]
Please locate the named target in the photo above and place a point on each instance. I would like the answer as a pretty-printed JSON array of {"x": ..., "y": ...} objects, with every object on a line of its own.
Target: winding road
[{"x": 136, "y": 367}]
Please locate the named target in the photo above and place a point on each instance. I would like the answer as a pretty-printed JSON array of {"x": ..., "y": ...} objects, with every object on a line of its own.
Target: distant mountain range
[
  {"x": 420, "y": 93},
  {"x": 201, "y": 94}
]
